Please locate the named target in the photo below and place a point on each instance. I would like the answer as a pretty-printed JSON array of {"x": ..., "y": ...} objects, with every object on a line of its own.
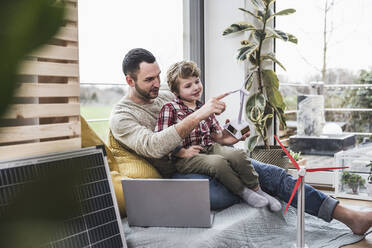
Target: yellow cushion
[
  {"x": 130, "y": 164},
  {"x": 90, "y": 138},
  {"x": 116, "y": 181}
]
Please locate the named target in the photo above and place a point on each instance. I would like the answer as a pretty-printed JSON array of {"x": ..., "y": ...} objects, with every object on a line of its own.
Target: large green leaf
[
  {"x": 252, "y": 142},
  {"x": 271, "y": 56},
  {"x": 238, "y": 27},
  {"x": 25, "y": 25},
  {"x": 246, "y": 51},
  {"x": 251, "y": 13},
  {"x": 256, "y": 100},
  {"x": 280, "y": 114},
  {"x": 282, "y": 13},
  {"x": 271, "y": 86}
]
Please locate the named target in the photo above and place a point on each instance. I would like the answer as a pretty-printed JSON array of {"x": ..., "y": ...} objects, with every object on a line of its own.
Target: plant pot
[
  {"x": 274, "y": 156},
  {"x": 369, "y": 189},
  {"x": 354, "y": 188}
]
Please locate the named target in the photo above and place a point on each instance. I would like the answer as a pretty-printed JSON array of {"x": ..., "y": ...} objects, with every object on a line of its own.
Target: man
[{"x": 133, "y": 120}]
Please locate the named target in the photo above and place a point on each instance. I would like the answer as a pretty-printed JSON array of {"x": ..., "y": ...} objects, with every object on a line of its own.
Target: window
[
  {"x": 107, "y": 31},
  {"x": 334, "y": 44}
]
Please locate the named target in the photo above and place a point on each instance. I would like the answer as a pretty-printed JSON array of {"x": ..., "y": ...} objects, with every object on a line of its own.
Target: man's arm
[{"x": 128, "y": 131}]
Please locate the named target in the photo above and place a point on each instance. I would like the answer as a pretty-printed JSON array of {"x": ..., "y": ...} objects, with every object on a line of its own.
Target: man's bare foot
[{"x": 359, "y": 222}]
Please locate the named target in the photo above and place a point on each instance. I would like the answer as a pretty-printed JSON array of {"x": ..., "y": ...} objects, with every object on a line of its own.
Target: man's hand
[
  {"x": 189, "y": 152},
  {"x": 212, "y": 106}
]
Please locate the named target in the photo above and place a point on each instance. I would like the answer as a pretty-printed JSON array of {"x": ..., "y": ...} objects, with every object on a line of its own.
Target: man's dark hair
[{"x": 133, "y": 59}]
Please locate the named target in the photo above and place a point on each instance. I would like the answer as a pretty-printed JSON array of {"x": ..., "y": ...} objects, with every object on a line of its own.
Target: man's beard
[{"x": 147, "y": 95}]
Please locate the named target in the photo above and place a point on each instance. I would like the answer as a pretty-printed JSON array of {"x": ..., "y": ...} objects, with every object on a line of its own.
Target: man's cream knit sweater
[{"x": 133, "y": 126}]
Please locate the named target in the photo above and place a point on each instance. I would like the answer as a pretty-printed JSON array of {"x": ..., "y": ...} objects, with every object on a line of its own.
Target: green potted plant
[
  {"x": 297, "y": 157},
  {"x": 354, "y": 181},
  {"x": 267, "y": 100},
  {"x": 369, "y": 184},
  {"x": 25, "y": 26}
]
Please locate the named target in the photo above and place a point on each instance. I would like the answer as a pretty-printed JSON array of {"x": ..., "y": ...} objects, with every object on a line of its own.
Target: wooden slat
[
  {"x": 49, "y": 69},
  {"x": 47, "y": 90},
  {"x": 57, "y": 52},
  {"x": 71, "y": 14},
  {"x": 42, "y": 110},
  {"x": 31, "y": 149},
  {"x": 68, "y": 34},
  {"x": 26, "y": 133}
]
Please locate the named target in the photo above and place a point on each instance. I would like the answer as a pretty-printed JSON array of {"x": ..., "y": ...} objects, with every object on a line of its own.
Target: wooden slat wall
[{"x": 45, "y": 116}]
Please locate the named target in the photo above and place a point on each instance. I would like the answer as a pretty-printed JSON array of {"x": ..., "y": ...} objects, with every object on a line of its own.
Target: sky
[
  {"x": 350, "y": 42},
  {"x": 108, "y": 31}
]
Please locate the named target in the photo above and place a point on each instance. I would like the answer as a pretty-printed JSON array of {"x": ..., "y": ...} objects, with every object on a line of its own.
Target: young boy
[{"x": 203, "y": 151}]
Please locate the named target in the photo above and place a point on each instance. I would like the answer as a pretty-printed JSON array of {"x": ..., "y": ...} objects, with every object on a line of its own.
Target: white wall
[{"x": 222, "y": 71}]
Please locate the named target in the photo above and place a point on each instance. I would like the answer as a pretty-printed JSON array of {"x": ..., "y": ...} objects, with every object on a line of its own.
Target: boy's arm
[
  {"x": 167, "y": 117},
  {"x": 212, "y": 106}
]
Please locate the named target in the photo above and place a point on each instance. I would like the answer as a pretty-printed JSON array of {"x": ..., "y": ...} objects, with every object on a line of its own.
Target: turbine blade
[
  {"x": 324, "y": 169},
  {"x": 287, "y": 153},
  {"x": 293, "y": 193}
]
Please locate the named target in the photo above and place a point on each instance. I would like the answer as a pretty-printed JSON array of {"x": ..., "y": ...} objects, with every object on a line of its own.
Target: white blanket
[{"x": 244, "y": 226}]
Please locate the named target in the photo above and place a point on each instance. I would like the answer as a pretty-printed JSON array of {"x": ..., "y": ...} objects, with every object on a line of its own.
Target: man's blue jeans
[{"x": 276, "y": 182}]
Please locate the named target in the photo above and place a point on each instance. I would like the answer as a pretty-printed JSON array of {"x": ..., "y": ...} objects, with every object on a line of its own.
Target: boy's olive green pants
[{"x": 230, "y": 166}]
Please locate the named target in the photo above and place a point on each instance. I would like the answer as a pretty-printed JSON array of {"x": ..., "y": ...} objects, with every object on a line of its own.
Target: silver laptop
[{"x": 167, "y": 202}]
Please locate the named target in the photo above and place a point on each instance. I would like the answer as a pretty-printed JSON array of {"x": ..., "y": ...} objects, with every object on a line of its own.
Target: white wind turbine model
[
  {"x": 300, "y": 185},
  {"x": 238, "y": 127}
]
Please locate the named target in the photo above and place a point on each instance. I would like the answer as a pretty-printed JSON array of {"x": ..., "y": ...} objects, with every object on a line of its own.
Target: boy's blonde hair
[{"x": 183, "y": 69}]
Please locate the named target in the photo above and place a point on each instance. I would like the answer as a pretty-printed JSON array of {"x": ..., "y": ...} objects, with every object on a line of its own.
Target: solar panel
[{"x": 97, "y": 222}]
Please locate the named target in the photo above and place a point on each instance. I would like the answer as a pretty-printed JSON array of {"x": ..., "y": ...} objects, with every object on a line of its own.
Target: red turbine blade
[
  {"x": 287, "y": 153},
  {"x": 323, "y": 169},
  {"x": 293, "y": 192}
]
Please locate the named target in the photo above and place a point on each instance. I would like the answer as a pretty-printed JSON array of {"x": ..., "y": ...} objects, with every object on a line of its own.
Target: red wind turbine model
[{"x": 300, "y": 183}]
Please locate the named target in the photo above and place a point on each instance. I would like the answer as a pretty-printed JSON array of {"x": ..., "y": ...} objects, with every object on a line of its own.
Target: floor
[{"x": 367, "y": 242}]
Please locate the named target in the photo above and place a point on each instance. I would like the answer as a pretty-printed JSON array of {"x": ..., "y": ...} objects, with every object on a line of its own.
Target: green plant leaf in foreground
[{"x": 25, "y": 25}]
